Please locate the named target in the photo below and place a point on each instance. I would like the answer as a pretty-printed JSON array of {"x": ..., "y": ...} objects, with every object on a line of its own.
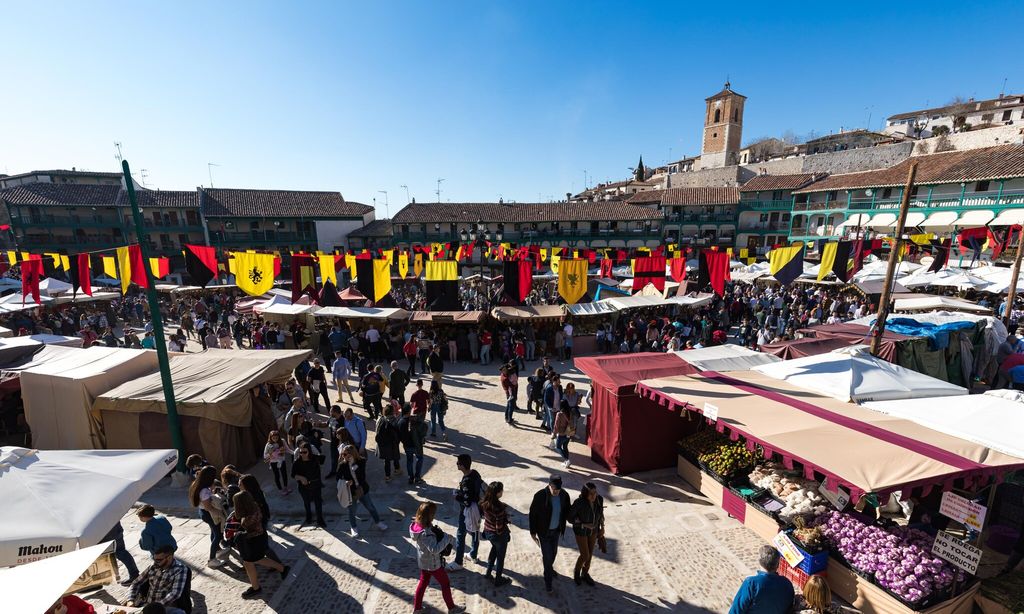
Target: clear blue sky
[{"x": 498, "y": 98}]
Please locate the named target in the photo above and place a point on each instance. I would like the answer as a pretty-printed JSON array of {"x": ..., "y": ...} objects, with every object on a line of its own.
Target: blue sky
[{"x": 512, "y": 99}]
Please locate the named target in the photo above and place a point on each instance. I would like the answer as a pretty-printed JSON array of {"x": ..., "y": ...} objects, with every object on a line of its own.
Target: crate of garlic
[{"x": 799, "y": 496}]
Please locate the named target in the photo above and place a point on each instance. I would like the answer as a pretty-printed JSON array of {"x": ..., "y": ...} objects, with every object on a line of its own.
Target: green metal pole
[{"x": 158, "y": 326}]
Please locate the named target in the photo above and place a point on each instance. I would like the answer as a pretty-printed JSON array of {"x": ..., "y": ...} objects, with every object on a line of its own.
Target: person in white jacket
[{"x": 430, "y": 543}]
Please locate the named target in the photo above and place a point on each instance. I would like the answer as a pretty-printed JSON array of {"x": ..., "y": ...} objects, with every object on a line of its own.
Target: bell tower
[{"x": 723, "y": 127}]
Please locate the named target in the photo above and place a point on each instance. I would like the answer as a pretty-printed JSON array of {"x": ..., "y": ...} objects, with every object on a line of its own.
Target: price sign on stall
[
  {"x": 787, "y": 549},
  {"x": 964, "y": 511},
  {"x": 961, "y": 554},
  {"x": 839, "y": 499},
  {"x": 711, "y": 412}
]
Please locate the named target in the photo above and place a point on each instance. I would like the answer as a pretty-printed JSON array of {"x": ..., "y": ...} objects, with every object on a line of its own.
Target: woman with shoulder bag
[
  {"x": 352, "y": 481},
  {"x": 252, "y": 542},
  {"x": 587, "y": 518},
  {"x": 431, "y": 544},
  {"x": 563, "y": 431},
  {"x": 496, "y": 531},
  {"x": 211, "y": 509}
]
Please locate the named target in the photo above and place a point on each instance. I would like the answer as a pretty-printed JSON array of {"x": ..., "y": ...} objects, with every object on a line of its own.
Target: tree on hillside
[{"x": 958, "y": 108}]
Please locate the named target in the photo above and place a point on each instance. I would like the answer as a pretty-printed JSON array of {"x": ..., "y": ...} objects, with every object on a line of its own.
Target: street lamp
[
  {"x": 499, "y": 235},
  {"x": 462, "y": 235}
]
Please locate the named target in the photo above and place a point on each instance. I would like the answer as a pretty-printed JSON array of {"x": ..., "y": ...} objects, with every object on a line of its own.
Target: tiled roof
[
  {"x": 64, "y": 173},
  {"x": 430, "y": 213},
  {"x": 766, "y": 183},
  {"x": 277, "y": 203},
  {"x": 726, "y": 91},
  {"x": 1002, "y": 162},
  {"x": 376, "y": 228},
  {"x": 688, "y": 196},
  {"x": 1006, "y": 102},
  {"x": 178, "y": 199},
  {"x": 61, "y": 194}
]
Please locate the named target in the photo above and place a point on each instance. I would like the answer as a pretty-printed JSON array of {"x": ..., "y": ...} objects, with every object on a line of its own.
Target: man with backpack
[
  {"x": 468, "y": 496},
  {"x": 412, "y": 432}
]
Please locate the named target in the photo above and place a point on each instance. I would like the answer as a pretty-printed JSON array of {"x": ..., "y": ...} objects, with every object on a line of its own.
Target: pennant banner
[
  {"x": 649, "y": 270},
  {"x": 787, "y": 263},
  {"x": 518, "y": 279},
  {"x": 441, "y": 284},
  {"x": 572, "y": 279},
  {"x": 254, "y": 273}
]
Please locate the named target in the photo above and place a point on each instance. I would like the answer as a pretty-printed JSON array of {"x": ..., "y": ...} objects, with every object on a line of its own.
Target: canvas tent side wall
[
  {"x": 222, "y": 416},
  {"x": 628, "y": 433},
  {"x": 58, "y": 401}
]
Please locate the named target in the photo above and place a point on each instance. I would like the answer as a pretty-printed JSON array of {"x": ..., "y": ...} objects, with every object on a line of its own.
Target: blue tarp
[{"x": 937, "y": 334}]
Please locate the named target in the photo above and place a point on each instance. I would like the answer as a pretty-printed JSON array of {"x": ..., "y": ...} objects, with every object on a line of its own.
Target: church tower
[{"x": 723, "y": 127}]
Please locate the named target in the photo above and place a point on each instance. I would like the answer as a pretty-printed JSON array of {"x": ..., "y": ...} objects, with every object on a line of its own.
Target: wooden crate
[
  {"x": 871, "y": 599},
  {"x": 700, "y": 480}
]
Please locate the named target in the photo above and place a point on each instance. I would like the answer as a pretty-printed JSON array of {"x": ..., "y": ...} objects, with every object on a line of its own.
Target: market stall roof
[
  {"x": 991, "y": 419},
  {"x": 858, "y": 448},
  {"x": 103, "y": 280},
  {"x": 636, "y": 301},
  {"x": 852, "y": 374},
  {"x": 372, "y": 313},
  {"x": 620, "y": 372},
  {"x": 45, "y": 502},
  {"x": 726, "y": 357},
  {"x": 49, "y": 578},
  {"x": 876, "y": 287},
  {"x": 51, "y": 286},
  {"x": 454, "y": 317},
  {"x": 214, "y": 384},
  {"x": 285, "y": 310},
  {"x": 527, "y": 312},
  {"x": 806, "y": 346},
  {"x": 86, "y": 298},
  {"x": 351, "y": 293},
  {"x": 855, "y": 332},
  {"x": 597, "y": 308},
  {"x": 938, "y": 303},
  {"x": 42, "y": 339}
]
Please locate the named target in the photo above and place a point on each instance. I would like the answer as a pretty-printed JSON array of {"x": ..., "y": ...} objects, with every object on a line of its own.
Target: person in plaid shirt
[{"x": 163, "y": 582}]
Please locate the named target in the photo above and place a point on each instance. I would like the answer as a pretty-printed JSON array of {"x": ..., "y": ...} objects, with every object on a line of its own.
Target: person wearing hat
[{"x": 548, "y": 513}]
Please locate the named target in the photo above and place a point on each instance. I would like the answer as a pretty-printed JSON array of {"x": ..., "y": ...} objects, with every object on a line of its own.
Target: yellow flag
[
  {"x": 65, "y": 262},
  {"x": 556, "y": 251},
  {"x": 110, "y": 267},
  {"x": 350, "y": 264},
  {"x": 828, "y": 259},
  {"x": 389, "y": 256},
  {"x": 572, "y": 279},
  {"x": 254, "y": 273},
  {"x": 327, "y": 272},
  {"x": 543, "y": 254},
  {"x": 381, "y": 279},
  {"x": 554, "y": 264},
  {"x": 124, "y": 266},
  {"x": 12, "y": 257},
  {"x": 417, "y": 264},
  {"x": 403, "y": 264}
]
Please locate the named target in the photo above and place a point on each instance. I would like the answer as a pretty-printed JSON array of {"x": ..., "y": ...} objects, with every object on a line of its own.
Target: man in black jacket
[
  {"x": 468, "y": 494},
  {"x": 548, "y": 513},
  {"x": 435, "y": 364}
]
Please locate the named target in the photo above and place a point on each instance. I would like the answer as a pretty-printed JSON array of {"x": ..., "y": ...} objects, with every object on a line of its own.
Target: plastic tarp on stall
[
  {"x": 855, "y": 447},
  {"x": 856, "y": 334},
  {"x": 49, "y": 578},
  {"x": 58, "y": 500},
  {"x": 372, "y": 313},
  {"x": 221, "y": 417},
  {"x": 992, "y": 419},
  {"x": 727, "y": 357},
  {"x": 854, "y": 375},
  {"x": 44, "y": 339},
  {"x": 59, "y": 396}
]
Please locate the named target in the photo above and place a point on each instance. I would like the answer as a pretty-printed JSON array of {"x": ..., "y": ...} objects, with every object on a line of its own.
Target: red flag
[
  {"x": 678, "y": 269},
  {"x": 606, "y": 268},
  {"x": 31, "y": 273},
  {"x": 714, "y": 270},
  {"x": 80, "y": 274},
  {"x": 138, "y": 272},
  {"x": 649, "y": 270}
]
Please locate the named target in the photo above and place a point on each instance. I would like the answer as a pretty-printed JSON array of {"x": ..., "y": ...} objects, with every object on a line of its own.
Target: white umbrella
[
  {"x": 55, "y": 501},
  {"x": 51, "y": 286},
  {"x": 48, "y": 579},
  {"x": 962, "y": 281}
]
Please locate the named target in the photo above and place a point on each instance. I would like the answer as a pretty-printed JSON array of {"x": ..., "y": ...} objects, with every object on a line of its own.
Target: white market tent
[
  {"x": 286, "y": 310},
  {"x": 939, "y": 303},
  {"x": 51, "y": 286},
  {"x": 992, "y": 419},
  {"x": 854, "y": 375},
  {"x": 58, "y": 500},
  {"x": 635, "y": 301},
  {"x": 961, "y": 281},
  {"x": 73, "y": 342},
  {"x": 59, "y": 397},
  {"x": 726, "y": 357},
  {"x": 49, "y": 578},
  {"x": 600, "y": 308},
  {"x": 375, "y": 313}
]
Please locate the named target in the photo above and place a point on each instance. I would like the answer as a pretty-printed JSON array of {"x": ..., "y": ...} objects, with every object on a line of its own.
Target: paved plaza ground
[{"x": 670, "y": 549}]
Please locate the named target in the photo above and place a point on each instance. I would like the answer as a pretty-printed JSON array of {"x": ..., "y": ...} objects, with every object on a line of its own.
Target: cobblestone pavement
[{"x": 670, "y": 549}]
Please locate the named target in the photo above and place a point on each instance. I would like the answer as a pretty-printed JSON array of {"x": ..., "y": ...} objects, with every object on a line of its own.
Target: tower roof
[{"x": 725, "y": 93}]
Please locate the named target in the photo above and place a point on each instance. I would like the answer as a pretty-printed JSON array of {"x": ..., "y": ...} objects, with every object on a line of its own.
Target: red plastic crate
[{"x": 797, "y": 576}]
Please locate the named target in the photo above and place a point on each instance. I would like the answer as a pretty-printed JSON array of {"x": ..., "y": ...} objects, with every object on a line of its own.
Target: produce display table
[{"x": 855, "y": 590}]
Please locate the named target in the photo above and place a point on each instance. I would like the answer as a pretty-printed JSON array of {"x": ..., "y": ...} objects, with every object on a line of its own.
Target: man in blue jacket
[{"x": 767, "y": 592}]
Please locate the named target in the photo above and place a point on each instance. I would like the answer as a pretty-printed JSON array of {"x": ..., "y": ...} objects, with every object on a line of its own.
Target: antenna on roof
[
  {"x": 209, "y": 169},
  {"x": 1002, "y": 90},
  {"x": 118, "y": 156}
]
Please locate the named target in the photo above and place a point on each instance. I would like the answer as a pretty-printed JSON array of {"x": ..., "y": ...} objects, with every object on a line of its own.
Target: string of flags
[{"x": 316, "y": 274}]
